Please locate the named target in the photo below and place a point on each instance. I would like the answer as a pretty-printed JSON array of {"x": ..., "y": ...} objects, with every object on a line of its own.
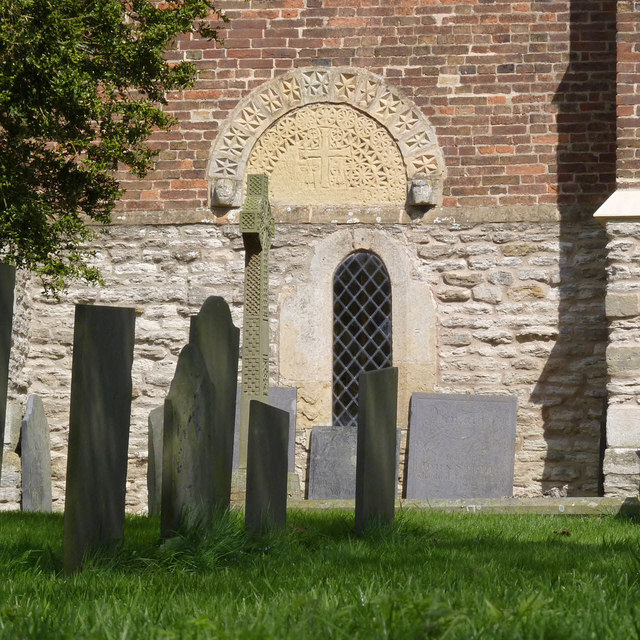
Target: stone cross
[
  {"x": 257, "y": 228},
  {"x": 326, "y": 153}
]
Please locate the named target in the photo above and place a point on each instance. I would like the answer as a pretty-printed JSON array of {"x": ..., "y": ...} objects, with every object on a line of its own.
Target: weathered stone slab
[
  {"x": 154, "y": 465},
  {"x": 266, "y": 499},
  {"x": 461, "y": 446},
  {"x": 196, "y": 460},
  {"x": 332, "y": 463},
  {"x": 35, "y": 450},
  {"x": 218, "y": 340},
  {"x": 376, "y": 454},
  {"x": 98, "y": 430},
  {"x": 284, "y": 398},
  {"x": 7, "y": 286}
]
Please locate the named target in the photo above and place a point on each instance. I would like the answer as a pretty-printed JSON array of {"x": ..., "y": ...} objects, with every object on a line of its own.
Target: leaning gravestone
[
  {"x": 266, "y": 499},
  {"x": 461, "y": 446},
  {"x": 284, "y": 398},
  {"x": 98, "y": 430},
  {"x": 376, "y": 457},
  {"x": 7, "y": 286},
  {"x": 332, "y": 462},
  {"x": 196, "y": 456},
  {"x": 154, "y": 465},
  {"x": 35, "y": 454}
]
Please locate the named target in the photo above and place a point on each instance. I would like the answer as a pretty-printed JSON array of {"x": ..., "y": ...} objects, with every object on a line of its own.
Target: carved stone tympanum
[{"x": 330, "y": 154}]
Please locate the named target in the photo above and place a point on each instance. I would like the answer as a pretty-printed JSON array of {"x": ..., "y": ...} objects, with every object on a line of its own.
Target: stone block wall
[
  {"x": 519, "y": 310},
  {"x": 622, "y": 457}
]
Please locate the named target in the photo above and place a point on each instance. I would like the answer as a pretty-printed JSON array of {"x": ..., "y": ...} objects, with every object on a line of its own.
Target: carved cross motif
[
  {"x": 325, "y": 154},
  {"x": 257, "y": 228}
]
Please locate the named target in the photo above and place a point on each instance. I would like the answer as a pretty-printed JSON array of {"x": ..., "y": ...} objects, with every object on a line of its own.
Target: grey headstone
[
  {"x": 98, "y": 430},
  {"x": 196, "y": 456},
  {"x": 35, "y": 450},
  {"x": 461, "y": 446},
  {"x": 154, "y": 466},
  {"x": 332, "y": 463},
  {"x": 7, "y": 286},
  {"x": 377, "y": 437},
  {"x": 266, "y": 499},
  {"x": 284, "y": 398}
]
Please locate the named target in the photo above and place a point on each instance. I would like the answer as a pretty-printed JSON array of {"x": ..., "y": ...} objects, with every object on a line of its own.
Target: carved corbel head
[
  {"x": 423, "y": 190},
  {"x": 225, "y": 192}
]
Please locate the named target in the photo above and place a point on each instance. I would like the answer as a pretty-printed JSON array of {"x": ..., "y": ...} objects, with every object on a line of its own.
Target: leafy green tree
[{"x": 81, "y": 88}]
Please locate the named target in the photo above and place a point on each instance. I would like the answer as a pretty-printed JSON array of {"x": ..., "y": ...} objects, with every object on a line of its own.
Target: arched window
[{"x": 361, "y": 329}]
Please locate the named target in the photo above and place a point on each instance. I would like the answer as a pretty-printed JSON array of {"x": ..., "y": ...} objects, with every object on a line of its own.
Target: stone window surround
[
  {"x": 306, "y": 335},
  {"x": 362, "y": 90}
]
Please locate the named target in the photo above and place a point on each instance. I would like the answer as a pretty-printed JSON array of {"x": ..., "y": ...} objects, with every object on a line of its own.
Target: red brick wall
[
  {"x": 628, "y": 99},
  {"x": 521, "y": 94}
]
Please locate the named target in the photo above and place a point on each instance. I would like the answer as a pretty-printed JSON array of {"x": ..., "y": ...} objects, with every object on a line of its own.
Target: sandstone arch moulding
[{"x": 377, "y": 131}]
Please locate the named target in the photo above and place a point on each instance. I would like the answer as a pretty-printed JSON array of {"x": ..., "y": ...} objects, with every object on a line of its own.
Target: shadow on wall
[{"x": 572, "y": 387}]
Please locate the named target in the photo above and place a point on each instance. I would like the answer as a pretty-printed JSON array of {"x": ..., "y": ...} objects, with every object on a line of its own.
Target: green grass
[{"x": 429, "y": 575}]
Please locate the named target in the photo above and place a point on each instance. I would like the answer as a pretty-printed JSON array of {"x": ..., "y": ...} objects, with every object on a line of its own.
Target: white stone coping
[{"x": 621, "y": 205}]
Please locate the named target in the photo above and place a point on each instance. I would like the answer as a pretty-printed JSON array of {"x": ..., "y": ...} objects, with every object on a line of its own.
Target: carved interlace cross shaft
[{"x": 258, "y": 228}]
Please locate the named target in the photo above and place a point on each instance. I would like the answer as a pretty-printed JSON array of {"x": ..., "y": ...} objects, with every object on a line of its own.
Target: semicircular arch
[{"x": 362, "y": 90}]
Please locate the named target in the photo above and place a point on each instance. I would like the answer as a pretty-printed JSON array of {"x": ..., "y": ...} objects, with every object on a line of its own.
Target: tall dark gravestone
[
  {"x": 376, "y": 478},
  {"x": 266, "y": 498},
  {"x": 7, "y": 287},
  {"x": 98, "y": 430},
  {"x": 35, "y": 454}
]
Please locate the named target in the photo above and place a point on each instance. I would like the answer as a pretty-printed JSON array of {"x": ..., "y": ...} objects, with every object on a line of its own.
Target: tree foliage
[{"x": 81, "y": 88}]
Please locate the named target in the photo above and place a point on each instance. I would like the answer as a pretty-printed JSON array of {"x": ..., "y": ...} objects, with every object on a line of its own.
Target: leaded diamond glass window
[{"x": 361, "y": 329}]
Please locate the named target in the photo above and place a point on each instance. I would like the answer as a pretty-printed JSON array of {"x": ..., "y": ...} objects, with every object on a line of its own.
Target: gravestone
[
  {"x": 266, "y": 499},
  {"x": 196, "y": 455},
  {"x": 7, "y": 286},
  {"x": 258, "y": 228},
  {"x": 154, "y": 466},
  {"x": 35, "y": 453},
  {"x": 284, "y": 398},
  {"x": 332, "y": 463},
  {"x": 98, "y": 430},
  {"x": 376, "y": 457},
  {"x": 461, "y": 446},
  {"x": 218, "y": 340}
]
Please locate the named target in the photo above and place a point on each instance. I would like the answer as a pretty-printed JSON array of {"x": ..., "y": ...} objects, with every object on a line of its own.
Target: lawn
[{"x": 429, "y": 575}]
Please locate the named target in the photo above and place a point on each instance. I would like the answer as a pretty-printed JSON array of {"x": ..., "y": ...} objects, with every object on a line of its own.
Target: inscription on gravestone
[
  {"x": 98, "y": 430},
  {"x": 332, "y": 463},
  {"x": 266, "y": 499},
  {"x": 35, "y": 450},
  {"x": 461, "y": 446},
  {"x": 7, "y": 286},
  {"x": 377, "y": 437}
]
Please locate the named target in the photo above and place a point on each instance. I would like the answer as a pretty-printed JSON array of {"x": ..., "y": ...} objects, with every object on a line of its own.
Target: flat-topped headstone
[
  {"x": 284, "y": 398},
  {"x": 35, "y": 453},
  {"x": 154, "y": 466},
  {"x": 376, "y": 455},
  {"x": 266, "y": 498},
  {"x": 332, "y": 463},
  {"x": 196, "y": 460},
  {"x": 98, "y": 430},
  {"x": 7, "y": 287},
  {"x": 461, "y": 446}
]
